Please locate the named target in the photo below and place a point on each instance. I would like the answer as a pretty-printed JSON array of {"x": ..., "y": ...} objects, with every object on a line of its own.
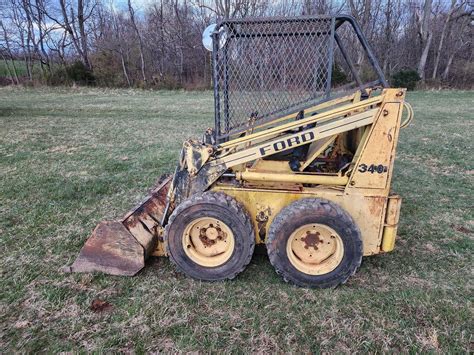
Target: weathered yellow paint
[
  {"x": 196, "y": 155},
  {"x": 389, "y": 236},
  {"x": 275, "y": 166},
  {"x": 393, "y": 210},
  {"x": 379, "y": 148},
  {"x": 267, "y": 186},
  {"x": 339, "y": 124},
  {"x": 368, "y": 212},
  {"x": 301, "y": 178},
  {"x": 208, "y": 242},
  {"x": 391, "y": 223},
  {"x": 334, "y": 113},
  {"x": 318, "y": 256}
]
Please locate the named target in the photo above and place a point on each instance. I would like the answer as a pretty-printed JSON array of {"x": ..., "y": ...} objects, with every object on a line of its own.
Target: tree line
[{"x": 157, "y": 43}]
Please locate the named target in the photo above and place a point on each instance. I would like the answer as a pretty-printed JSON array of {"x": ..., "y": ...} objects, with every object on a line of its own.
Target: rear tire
[
  {"x": 210, "y": 237},
  {"x": 314, "y": 243}
]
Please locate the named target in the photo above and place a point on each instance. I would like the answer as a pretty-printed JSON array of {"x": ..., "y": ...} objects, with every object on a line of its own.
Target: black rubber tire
[
  {"x": 229, "y": 211},
  {"x": 307, "y": 211}
]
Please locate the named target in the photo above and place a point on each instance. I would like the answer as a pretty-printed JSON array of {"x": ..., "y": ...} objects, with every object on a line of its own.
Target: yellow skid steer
[{"x": 296, "y": 161}]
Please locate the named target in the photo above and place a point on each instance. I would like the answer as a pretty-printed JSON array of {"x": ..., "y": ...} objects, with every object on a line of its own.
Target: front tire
[
  {"x": 210, "y": 237},
  {"x": 314, "y": 243}
]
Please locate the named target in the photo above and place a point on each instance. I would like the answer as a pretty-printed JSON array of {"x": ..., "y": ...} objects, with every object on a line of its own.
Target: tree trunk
[
  {"x": 82, "y": 33},
  {"x": 7, "y": 43},
  {"x": 140, "y": 41},
  {"x": 124, "y": 69},
  {"x": 426, "y": 37},
  {"x": 29, "y": 40},
  {"x": 424, "y": 57},
  {"x": 450, "y": 60},
  {"x": 13, "y": 73},
  {"x": 441, "y": 40},
  {"x": 40, "y": 10},
  {"x": 68, "y": 27}
]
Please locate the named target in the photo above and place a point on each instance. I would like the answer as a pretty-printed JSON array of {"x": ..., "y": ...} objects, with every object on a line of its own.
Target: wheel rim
[
  {"x": 315, "y": 249},
  {"x": 208, "y": 241}
]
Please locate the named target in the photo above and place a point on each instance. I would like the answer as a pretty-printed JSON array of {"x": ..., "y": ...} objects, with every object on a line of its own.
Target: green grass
[
  {"x": 20, "y": 67},
  {"x": 70, "y": 158}
]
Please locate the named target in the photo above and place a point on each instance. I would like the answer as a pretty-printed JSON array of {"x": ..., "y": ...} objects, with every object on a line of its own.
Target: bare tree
[
  {"x": 425, "y": 34},
  {"x": 73, "y": 20},
  {"x": 160, "y": 46},
  {"x": 455, "y": 12},
  {"x": 131, "y": 12},
  {"x": 7, "y": 48}
]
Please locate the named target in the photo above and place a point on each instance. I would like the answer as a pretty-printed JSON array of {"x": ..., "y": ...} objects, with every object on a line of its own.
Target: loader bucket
[
  {"x": 121, "y": 247},
  {"x": 110, "y": 249}
]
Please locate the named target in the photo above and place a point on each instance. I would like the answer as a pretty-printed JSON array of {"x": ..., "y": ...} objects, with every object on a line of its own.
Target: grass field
[{"x": 70, "y": 158}]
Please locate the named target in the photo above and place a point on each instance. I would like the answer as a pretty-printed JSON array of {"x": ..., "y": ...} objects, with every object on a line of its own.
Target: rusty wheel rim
[
  {"x": 315, "y": 249},
  {"x": 208, "y": 242}
]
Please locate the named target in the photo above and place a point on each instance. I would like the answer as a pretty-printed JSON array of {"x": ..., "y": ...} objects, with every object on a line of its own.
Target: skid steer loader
[{"x": 295, "y": 162}]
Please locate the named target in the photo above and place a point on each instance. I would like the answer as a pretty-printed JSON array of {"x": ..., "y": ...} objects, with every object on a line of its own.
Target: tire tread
[
  {"x": 305, "y": 206},
  {"x": 221, "y": 199}
]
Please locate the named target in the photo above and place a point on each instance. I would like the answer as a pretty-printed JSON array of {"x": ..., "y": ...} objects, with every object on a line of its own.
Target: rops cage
[{"x": 264, "y": 68}]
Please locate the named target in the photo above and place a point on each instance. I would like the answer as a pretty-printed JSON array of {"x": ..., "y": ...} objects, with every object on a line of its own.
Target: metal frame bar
[
  {"x": 277, "y": 19},
  {"x": 226, "y": 91},
  {"x": 365, "y": 45},
  {"x": 215, "y": 80},
  {"x": 295, "y": 34},
  {"x": 298, "y": 178},
  {"x": 331, "y": 58},
  {"x": 348, "y": 60}
]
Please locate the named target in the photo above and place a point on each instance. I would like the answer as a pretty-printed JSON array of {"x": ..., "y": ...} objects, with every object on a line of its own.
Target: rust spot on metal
[
  {"x": 375, "y": 205},
  {"x": 209, "y": 236},
  {"x": 154, "y": 204},
  {"x": 111, "y": 249},
  {"x": 131, "y": 222},
  {"x": 120, "y": 247},
  {"x": 262, "y": 218},
  {"x": 312, "y": 240}
]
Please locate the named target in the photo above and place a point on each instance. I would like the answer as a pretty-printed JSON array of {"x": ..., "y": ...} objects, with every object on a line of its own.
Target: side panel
[
  {"x": 373, "y": 170},
  {"x": 264, "y": 205}
]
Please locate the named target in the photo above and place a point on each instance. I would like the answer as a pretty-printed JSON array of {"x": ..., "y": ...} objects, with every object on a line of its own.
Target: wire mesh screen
[{"x": 269, "y": 67}]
